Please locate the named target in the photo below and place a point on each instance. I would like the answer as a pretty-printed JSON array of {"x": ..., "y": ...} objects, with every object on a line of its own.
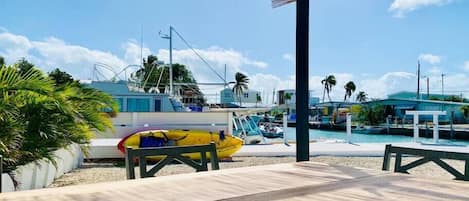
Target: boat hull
[{"x": 225, "y": 148}]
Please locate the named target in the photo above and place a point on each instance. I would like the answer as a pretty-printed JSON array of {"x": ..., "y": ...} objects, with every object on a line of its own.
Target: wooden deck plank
[{"x": 293, "y": 181}]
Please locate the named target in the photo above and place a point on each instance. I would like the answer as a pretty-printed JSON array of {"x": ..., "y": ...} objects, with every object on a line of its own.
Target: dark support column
[{"x": 302, "y": 80}]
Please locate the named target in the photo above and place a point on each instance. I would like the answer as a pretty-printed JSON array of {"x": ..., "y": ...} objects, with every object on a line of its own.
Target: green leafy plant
[
  {"x": 38, "y": 115},
  {"x": 371, "y": 114}
]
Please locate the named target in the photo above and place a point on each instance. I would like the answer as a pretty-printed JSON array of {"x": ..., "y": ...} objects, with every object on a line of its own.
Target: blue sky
[{"x": 374, "y": 43}]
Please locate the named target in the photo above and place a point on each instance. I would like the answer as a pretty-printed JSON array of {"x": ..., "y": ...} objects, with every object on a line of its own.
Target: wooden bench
[
  {"x": 427, "y": 156},
  {"x": 171, "y": 153}
]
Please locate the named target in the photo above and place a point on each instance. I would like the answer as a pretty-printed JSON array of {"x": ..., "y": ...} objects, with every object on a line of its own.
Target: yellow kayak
[{"x": 158, "y": 138}]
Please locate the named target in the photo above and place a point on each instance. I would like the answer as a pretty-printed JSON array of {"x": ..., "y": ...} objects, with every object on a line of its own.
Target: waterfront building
[
  {"x": 290, "y": 104},
  {"x": 396, "y": 108},
  {"x": 137, "y": 101},
  {"x": 228, "y": 97},
  {"x": 423, "y": 96}
]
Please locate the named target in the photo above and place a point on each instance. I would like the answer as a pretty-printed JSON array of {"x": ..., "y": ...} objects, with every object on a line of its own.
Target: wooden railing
[
  {"x": 170, "y": 154},
  {"x": 427, "y": 156}
]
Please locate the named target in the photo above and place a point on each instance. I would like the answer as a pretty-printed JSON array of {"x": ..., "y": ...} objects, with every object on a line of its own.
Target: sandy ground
[{"x": 103, "y": 171}]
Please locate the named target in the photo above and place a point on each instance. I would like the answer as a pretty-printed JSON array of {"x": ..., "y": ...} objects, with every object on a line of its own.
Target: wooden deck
[{"x": 293, "y": 181}]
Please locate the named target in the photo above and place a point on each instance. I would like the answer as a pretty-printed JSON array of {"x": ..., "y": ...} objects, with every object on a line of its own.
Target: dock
[{"x": 290, "y": 181}]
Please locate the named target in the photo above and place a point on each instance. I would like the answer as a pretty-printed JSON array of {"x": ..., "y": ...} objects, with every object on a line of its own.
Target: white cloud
[
  {"x": 402, "y": 7},
  {"x": 388, "y": 83},
  {"x": 133, "y": 52},
  {"x": 288, "y": 57},
  {"x": 435, "y": 70},
  {"x": 216, "y": 57},
  {"x": 3, "y": 29},
  {"x": 78, "y": 60},
  {"x": 52, "y": 53},
  {"x": 466, "y": 66},
  {"x": 430, "y": 58}
]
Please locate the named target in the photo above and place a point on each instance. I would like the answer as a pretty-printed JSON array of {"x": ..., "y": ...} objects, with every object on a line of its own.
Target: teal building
[
  {"x": 396, "y": 108},
  {"x": 135, "y": 101}
]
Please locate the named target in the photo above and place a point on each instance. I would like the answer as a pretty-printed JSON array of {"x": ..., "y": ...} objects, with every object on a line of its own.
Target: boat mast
[
  {"x": 170, "y": 60},
  {"x": 418, "y": 80}
]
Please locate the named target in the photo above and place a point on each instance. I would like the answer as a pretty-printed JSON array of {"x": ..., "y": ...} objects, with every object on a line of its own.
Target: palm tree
[
  {"x": 241, "y": 84},
  {"x": 328, "y": 83},
  {"x": 349, "y": 89},
  {"x": 361, "y": 97},
  {"x": 38, "y": 116}
]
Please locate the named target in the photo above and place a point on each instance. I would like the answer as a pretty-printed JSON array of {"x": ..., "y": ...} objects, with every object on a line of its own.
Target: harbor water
[{"x": 322, "y": 135}]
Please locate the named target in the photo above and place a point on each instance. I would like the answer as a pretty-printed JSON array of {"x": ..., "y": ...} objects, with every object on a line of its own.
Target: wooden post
[
  {"x": 416, "y": 128},
  {"x": 142, "y": 164},
  {"x": 129, "y": 163},
  {"x": 302, "y": 80},
  {"x": 214, "y": 157},
  {"x": 397, "y": 164},
  {"x": 435, "y": 128},
  {"x": 387, "y": 157},
  {"x": 466, "y": 170}
]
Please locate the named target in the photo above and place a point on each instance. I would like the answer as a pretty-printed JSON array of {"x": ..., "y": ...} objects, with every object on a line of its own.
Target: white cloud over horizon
[
  {"x": 53, "y": 52},
  {"x": 430, "y": 58},
  {"x": 401, "y": 7},
  {"x": 288, "y": 57},
  {"x": 466, "y": 66}
]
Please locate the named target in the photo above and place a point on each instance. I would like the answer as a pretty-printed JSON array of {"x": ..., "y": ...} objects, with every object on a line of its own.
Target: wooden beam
[{"x": 302, "y": 80}]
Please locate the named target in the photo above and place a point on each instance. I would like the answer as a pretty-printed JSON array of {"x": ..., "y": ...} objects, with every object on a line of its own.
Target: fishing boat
[
  {"x": 226, "y": 145},
  {"x": 271, "y": 130},
  {"x": 369, "y": 130}
]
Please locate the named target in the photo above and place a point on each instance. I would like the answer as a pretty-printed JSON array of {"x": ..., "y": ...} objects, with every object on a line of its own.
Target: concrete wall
[{"x": 42, "y": 173}]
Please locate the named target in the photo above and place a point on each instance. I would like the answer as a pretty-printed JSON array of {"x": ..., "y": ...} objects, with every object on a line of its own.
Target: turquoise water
[{"x": 315, "y": 134}]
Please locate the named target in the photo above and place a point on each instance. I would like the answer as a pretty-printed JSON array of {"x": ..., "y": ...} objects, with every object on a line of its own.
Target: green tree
[
  {"x": 2, "y": 61},
  {"x": 155, "y": 75},
  {"x": 328, "y": 83},
  {"x": 241, "y": 84},
  {"x": 372, "y": 114},
  {"x": 17, "y": 90},
  {"x": 361, "y": 97},
  {"x": 24, "y": 66},
  {"x": 38, "y": 117},
  {"x": 349, "y": 89},
  {"x": 60, "y": 77},
  {"x": 287, "y": 98},
  {"x": 258, "y": 99},
  {"x": 465, "y": 110}
]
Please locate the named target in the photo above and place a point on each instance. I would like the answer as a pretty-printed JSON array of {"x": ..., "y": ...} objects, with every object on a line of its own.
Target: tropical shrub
[
  {"x": 465, "y": 110},
  {"x": 38, "y": 115},
  {"x": 371, "y": 114}
]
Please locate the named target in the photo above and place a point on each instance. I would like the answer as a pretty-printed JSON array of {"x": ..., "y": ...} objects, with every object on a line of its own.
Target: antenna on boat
[
  {"x": 418, "y": 79},
  {"x": 141, "y": 46}
]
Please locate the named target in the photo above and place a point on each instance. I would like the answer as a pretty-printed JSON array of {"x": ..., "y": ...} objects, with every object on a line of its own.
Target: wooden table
[{"x": 292, "y": 181}]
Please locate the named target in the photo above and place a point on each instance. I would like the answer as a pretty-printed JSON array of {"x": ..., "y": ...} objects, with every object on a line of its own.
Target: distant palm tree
[
  {"x": 241, "y": 84},
  {"x": 361, "y": 97},
  {"x": 328, "y": 83},
  {"x": 349, "y": 89}
]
